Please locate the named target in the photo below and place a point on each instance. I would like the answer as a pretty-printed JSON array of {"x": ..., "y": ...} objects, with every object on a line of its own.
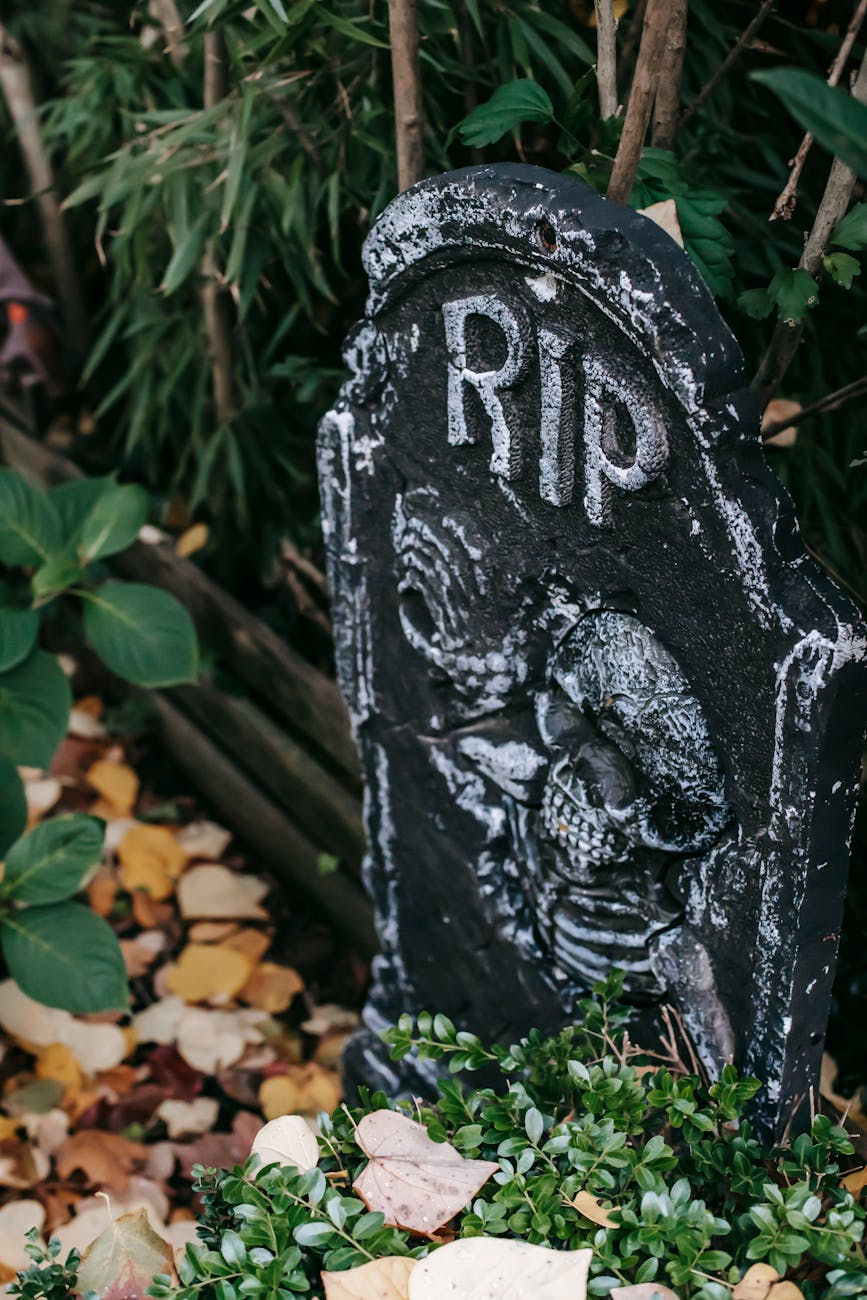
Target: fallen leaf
[
  {"x": 178, "y": 1079},
  {"x": 192, "y": 540},
  {"x": 593, "y": 1210},
  {"x": 41, "y": 797},
  {"x": 213, "y": 892},
  {"x": 48, "y": 1130},
  {"x": 180, "y": 1234},
  {"x": 116, "y": 783},
  {"x": 150, "y": 914},
  {"x": 105, "y": 1159},
  {"x": 16, "y": 1219},
  {"x": 785, "y": 1291},
  {"x": 140, "y": 953},
  {"x": 418, "y": 1184},
  {"x": 252, "y": 943},
  {"x": 781, "y": 408},
  {"x": 121, "y": 1263},
  {"x": 386, "y": 1278},
  {"x": 221, "y": 1150},
  {"x": 211, "y": 931},
  {"x": 329, "y": 1050},
  {"x": 213, "y": 1040},
  {"x": 83, "y": 725},
  {"x": 159, "y": 1022},
  {"x": 204, "y": 839},
  {"x": 57, "y": 1061},
  {"x": 151, "y": 860},
  {"x": 102, "y": 891},
  {"x": 272, "y": 988},
  {"x": 329, "y": 1017},
  {"x": 854, "y": 1181},
  {"x": 21, "y": 1166},
  {"x": 643, "y": 1291},
  {"x": 300, "y": 1089},
  {"x": 188, "y": 1118},
  {"x": 490, "y": 1268},
  {"x": 95, "y": 1047},
  {"x": 287, "y": 1141},
  {"x": 664, "y": 214},
  {"x": 205, "y": 972}
]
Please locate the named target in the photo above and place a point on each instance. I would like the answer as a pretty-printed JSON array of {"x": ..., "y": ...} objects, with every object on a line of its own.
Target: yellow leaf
[
  {"x": 58, "y": 1062},
  {"x": 855, "y": 1181},
  {"x": 192, "y": 540},
  {"x": 271, "y": 987},
  {"x": 205, "y": 971},
  {"x": 302, "y": 1090},
  {"x": 756, "y": 1283},
  {"x": 116, "y": 783},
  {"x": 593, "y": 1210},
  {"x": 151, "y": 860},
  {"x": 785, "y": 1291},
  {"x": 382, "y": 1279}
]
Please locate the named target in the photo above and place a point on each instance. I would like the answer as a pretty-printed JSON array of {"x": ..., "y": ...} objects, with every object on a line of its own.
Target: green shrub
[{"x": 698, "y": 1199}]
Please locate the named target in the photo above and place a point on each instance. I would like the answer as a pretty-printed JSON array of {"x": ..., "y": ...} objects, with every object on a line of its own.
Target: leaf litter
[{"x": 241, "y": 1003}]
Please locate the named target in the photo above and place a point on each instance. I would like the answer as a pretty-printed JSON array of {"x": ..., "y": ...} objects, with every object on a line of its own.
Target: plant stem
[
  {"x": 17, "y": 87},
  {"x": 733, "y": 55},
  {"x": 666, "y": 111},
  {"x": 606, "y": 57},
  {"x": 830, "y": 402},
  {"x": 788, "y": 197},
  {"x": 403, "y": 29},
  {"x": 641, "y": 97},
  {"x": 215, "y": 305},
  {"x": 835, "y": 201}
]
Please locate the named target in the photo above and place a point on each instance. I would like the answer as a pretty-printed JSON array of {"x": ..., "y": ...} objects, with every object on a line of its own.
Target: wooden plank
[
  {"x": 302, "y": 695},
  {"x": 323, "y": 808},
  {"x": 263, "y": 827}
]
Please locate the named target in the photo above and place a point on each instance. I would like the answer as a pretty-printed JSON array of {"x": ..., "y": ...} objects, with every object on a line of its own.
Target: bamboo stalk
[
  {"x": 403, "y": 29},
  {"x": 215, "y": 302},
  {"x": 641, "y": 97},
  {"x": 17, "y": 87}
]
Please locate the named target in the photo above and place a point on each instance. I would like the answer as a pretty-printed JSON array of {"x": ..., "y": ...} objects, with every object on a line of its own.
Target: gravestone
[{"x": 609, "y": 713}]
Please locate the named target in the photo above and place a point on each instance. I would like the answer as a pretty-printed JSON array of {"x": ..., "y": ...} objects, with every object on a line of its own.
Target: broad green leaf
[
  {"x": 510, "y": 105},
  {"x": 141, "y": 633},
  {"x": 757, "y": 303},
  {"x": 29, "y": 526},
  {"x": 842, "y": 268},
  {"x": 65, "y": 956},
  {"x": 35, "y": 700},
  {"x": 13, "y": 805},
  {"x": 838, "y": 121},
  {"x": 73, "y": 502},
  {"x": 54, "y": 577},
  {"x": 50, "y": 862},
  {"x": 794, "y": 292},
  {"x": 123, "y": 1259},
  {"x": 851, "y": 233},
  {"x": 113, "y": 521},
  {"x": 18, "y": 628}
]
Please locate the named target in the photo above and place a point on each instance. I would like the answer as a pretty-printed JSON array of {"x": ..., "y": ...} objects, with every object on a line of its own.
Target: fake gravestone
[{"x": 609, "y": 713}]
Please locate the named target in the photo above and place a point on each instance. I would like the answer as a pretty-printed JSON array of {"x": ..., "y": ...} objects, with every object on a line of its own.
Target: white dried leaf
[
  {"x": 211, "y": 892},
  {"x": 287, "y": 1140},
  {"x": 16, "y": 1219},
  {"x": 188, "y": 1118},
  {"x": 490, "y": 1268},
  {"x": 204, "y": 839},
  {"x": 665, "y": 216}
]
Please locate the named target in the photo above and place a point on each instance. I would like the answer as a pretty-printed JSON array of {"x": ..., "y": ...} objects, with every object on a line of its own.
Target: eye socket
[
  {"x": 416, "y": 612},
  {"x": 561, "y": 723}
]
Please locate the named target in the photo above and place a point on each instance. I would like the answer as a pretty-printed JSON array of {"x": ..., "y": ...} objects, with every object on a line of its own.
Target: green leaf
[
  {"x": 123, "y": 1259},
  {"x": 65, "y": 956},
  {"x": 838, "y": 121},
  {"x": 18, "y": 628},
  {"x": 73, "y": 502},
  {"x": 352, "y": 30},
  {"x": 510, "y": 105},
  {"x": 757, "y": 303},
  {"x": 851, "y": 232},
  {"x": 794, "y": 292},
  {"x": 13, "y": 805},
  {"x": 29, "y": 526},
  {"x": 842, "y": 268},
  {"x": 50, "y": 862},
  {"x": 141, "y": 633},
  {"x": 113, "y": 521},
  {"x": 186, "y": 256},
  {"x": 35, "y": 700},
  {"x": 54, "y": 577}
]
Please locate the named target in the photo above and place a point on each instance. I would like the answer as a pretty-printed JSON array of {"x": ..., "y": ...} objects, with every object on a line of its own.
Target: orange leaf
[
  {"x": 756, "y": 1283},
  {"x": 302, "y": 1090},
  {"x": 121, "y": 1263},
  {"x": 418, "y": 1184},
  {"x": 854, "y": 1181},
  {"x": 116, "y": 783},
  {"x": 151, "y": 860},
  {"x": 105, "y": 1159},
  {"x": 593, "y": 1210},
  {"x": 252, "y": 943},
  {"x": 271, "y": 987},
  {"x": 205, "y": 971}
]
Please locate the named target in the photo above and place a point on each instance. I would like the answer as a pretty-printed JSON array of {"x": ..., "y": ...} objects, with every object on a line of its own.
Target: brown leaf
[
  {"x": 854, "y": 1181},
  {"x": 593, "y": 1210},
  {"x": 781, "y": 408},
  {"x": 272, "y": 988},
  {"x": 121, "y": 1263},
  {"x": 418, "y": 1184},
  {"x": 382, "y": 1279},
  {"x": 756, "y": 1283},
  {"x": 105, "y": 1159}
]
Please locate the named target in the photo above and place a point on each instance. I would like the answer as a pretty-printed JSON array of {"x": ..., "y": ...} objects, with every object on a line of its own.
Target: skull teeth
[{"x": 578, "y": 828}]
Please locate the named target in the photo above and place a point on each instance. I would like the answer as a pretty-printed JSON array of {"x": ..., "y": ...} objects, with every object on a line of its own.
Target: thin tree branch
[
  {"x": 215, "y": 302},
  {"x": 17, "y": 86},
  {"x": 606, "y": 57},
  {"x": 641, "y": 97},
  {"x": 167, "y": 14},
  {"x": 785, "y": 204},
  {"x": 667, "y": 108},
  {"x": 835, "y": 200},
  {"x": 403, "y": 29},
  {"x": 733, "y": 55},
  {"x": 830, "y": 402}
]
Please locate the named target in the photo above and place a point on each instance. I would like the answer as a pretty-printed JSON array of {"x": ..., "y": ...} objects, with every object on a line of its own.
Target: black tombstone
[{"x": 609, "y": 712}]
